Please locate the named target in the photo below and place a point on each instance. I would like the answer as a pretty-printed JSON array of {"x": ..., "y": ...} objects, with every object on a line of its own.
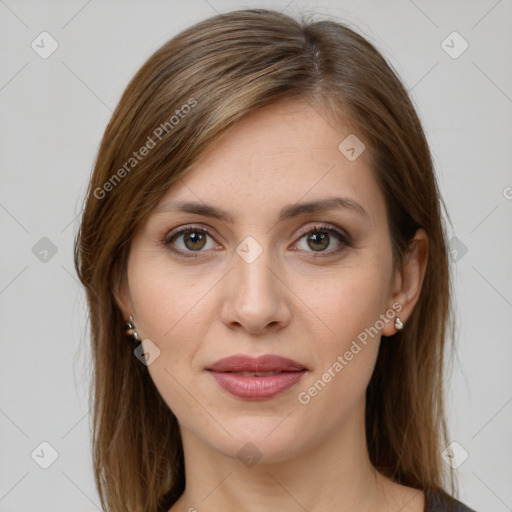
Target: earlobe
[{"x": 409, "y": 281}]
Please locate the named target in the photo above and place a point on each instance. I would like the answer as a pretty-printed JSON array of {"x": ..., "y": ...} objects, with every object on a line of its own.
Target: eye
[
  {"x": 318, "y": 238},
  {"x": 187, "y": 240}
]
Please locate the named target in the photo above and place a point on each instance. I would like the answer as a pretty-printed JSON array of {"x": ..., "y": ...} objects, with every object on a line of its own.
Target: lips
[
  {"x": 266, "y": 363},
  {"x": 256, "y": 378}
]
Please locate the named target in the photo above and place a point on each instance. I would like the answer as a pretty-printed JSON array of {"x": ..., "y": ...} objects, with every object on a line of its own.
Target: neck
[{"x": 335, "y": 474}]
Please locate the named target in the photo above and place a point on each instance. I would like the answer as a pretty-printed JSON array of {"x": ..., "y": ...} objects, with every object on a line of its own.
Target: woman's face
[{"x": 256, "y": 284}]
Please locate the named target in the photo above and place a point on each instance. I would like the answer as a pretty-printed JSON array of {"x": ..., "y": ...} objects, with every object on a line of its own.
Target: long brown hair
[{"x": 183, "y": 99}]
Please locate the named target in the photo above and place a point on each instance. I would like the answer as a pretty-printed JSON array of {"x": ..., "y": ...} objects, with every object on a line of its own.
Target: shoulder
[{"x": 439, "y": 501}]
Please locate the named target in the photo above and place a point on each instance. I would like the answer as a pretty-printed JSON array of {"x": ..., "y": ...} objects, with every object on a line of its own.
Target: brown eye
[
  {"x": 189, "y": 240},
  {"x": 194, "y": 240},
  {"x": 319, "y": 238},
  {"x": 318, "y": 241}
]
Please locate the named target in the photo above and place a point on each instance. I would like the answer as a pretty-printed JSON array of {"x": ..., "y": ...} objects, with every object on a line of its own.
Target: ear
[
  {"x": 121, "y": 293},
  {"x": 409, "y": 280}
]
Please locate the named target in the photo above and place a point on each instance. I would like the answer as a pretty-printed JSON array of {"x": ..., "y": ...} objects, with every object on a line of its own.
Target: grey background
[{"x": 53, "y": 113}]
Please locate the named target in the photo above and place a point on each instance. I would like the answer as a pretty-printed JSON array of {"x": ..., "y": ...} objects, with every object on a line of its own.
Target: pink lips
[{"x": 256, "y": 378}]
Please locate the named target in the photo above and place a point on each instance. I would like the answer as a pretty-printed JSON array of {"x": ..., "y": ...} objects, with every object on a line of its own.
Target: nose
[{"x": 255, "y": 296}]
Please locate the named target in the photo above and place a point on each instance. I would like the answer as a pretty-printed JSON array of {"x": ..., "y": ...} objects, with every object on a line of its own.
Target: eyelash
[{"x": 343, "y": 238}]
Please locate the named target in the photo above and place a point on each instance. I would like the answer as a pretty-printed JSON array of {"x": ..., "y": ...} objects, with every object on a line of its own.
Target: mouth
[
  {"x": 240, "y": 363},
  {"x": 256, "y": 378},
  {"x": 255, "y": 374}
]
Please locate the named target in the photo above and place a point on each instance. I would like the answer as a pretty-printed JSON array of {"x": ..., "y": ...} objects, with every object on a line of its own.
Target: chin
[
  {"x": 259, "y": 449},
  {"x": 264, "y": 439}
]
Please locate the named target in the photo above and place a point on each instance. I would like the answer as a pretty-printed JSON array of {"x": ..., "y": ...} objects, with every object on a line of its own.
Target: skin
[{"x": 199, "y": 310}]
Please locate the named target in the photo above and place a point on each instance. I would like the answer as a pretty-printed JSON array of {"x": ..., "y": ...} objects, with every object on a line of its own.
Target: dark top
[{"x": 437, "y": 501}]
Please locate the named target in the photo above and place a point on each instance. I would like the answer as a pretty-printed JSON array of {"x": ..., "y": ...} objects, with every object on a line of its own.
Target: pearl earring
[
  {"x": 398, "y": 324},
  {"x": 131, "y": 333}
]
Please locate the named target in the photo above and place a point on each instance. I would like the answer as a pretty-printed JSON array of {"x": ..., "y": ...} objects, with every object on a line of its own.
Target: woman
[{"x": 264, "y": 223}]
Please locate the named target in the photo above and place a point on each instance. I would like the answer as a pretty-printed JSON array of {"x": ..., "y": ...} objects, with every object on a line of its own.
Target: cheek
[
  {"x": 168, "y": 303},
  {"x": 349, "y": 306},
  {"x": 347, "y": 302},
  {"x": 173, "y": 310}
]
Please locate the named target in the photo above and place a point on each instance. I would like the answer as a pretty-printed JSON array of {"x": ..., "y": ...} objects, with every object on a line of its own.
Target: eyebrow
[{"x": 287, "y": 212}]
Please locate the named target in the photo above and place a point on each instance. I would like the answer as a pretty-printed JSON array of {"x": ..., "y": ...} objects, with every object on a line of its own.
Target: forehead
[{"x": 281, "y": 154}]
